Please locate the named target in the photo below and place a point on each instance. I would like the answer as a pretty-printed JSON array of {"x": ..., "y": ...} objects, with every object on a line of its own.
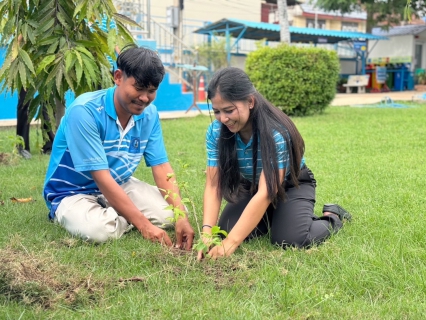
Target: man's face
[{"x": 129, "y": 98}]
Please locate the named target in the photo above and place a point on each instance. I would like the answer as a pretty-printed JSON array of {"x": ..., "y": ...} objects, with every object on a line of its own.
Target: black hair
[
  {"x": 143, "y": 64},
  {"x": 234, "y": 85}
]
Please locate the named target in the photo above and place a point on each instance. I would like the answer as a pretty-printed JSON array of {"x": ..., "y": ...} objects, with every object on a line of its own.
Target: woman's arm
[
  {"x": 211, "y": 205},
  {"x": 212, "y": 200},
  {"x": 249, "y": 219}
]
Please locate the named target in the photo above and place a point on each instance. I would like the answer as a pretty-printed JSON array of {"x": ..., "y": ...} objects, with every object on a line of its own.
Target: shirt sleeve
[
  {"x": 155, "y": 151},
  {"x": 212, "y": 137},
  {"x": 83, "y": 140},
  {"x": 282, "y": 152}
]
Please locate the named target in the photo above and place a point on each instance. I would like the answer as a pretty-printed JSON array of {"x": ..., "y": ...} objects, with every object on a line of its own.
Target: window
[
  {"x": 349, "y": 26},
  {"x": 310, "y": 23}
]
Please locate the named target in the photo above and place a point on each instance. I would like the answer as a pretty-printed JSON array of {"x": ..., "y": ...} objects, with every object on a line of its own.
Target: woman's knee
[{"x": 295, "y": 241}]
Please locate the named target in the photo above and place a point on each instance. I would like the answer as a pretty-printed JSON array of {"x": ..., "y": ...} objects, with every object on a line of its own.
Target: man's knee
[{"x": 83, "y": 217}]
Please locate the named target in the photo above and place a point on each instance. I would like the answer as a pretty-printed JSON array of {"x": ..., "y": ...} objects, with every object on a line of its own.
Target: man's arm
[
  {"x": 125, "y": 207},
  {"x": 184, "y": 232}
]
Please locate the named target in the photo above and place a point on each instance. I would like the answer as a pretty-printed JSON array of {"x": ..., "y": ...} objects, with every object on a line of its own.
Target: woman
[{"x": 276, "y": 195}]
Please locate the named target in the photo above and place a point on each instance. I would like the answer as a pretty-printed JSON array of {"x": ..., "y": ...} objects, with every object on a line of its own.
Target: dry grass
[{"x": 40, "y": 281}]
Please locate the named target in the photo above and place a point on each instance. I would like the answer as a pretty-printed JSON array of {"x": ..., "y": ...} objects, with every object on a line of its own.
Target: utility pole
[
  {"x": 283, "y": 19},
  {"x": 178, "y": 30},
  {"x": 148, "y": 18}
]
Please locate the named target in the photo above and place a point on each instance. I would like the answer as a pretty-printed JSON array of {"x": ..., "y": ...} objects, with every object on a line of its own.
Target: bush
[{"x": 299, "y": 81}]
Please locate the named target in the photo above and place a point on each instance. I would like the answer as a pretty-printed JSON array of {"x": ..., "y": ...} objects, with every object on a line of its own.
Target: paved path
[
  {"x": 345, "y": 99},
  {"x": 341, "y": 99}
]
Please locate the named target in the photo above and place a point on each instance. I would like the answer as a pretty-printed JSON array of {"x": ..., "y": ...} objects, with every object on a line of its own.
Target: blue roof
[{"x": 270, "y": 31}]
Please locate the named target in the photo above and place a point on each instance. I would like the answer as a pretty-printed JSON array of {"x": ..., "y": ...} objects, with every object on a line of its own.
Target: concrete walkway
[
  {"x": 345, "y": 99},
  {"x": 341, "y": 99}
]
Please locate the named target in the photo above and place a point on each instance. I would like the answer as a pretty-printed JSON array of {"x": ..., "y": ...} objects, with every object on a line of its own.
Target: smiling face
[
  {"x": 129, "y": 98},
  {"x": 235, "y": 115}
]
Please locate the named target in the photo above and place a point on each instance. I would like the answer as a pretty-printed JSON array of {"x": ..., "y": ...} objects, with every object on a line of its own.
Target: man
[{"x": 102, "y": 137}]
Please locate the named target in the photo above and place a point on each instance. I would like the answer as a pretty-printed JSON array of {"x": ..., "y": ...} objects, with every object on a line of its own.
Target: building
[
  {"x": 304, "y": 14},
  {"x": 403, "y": 55}
]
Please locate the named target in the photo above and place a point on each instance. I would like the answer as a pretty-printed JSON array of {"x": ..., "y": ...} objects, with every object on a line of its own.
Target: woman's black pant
[{"x": 292, "y": 222}]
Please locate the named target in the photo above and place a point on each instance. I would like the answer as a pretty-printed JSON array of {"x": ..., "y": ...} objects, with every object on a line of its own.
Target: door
[{"x": 418, "y": 55}]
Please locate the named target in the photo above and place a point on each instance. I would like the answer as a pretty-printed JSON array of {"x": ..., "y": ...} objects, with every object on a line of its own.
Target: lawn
[{"x": 369, "y": 160}]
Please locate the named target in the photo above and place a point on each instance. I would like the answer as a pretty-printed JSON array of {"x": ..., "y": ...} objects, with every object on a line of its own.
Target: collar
[
  {"x": 110, "y": 107},
  {"x": 240, "y": 141}
]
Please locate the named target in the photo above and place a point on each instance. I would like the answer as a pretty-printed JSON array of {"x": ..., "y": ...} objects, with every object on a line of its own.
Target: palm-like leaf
[{"x": 57, "y": 45}]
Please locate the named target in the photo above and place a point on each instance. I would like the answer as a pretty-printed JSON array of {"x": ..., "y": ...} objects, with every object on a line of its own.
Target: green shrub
[{"x": 299, "y": 81}]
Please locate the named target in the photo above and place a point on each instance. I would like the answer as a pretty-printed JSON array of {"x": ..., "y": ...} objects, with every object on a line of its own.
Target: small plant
[
  {"x": 340, "y": 85},
  {"x": 177, "y": 213},
  {"x": 421, "y": 78},
  {"x": 15, "y": 143},
  {"x": 206, "y": 240}
]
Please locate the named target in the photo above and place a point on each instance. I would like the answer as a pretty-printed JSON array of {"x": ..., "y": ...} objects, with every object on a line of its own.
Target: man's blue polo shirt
[
  {"x": 245, "y": 152},
  {"x": 90, "y": 138}
]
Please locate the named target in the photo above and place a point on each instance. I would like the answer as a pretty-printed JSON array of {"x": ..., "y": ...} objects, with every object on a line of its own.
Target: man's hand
[
  {"x": 155, "y": 234},
  {"x": 184, "y": 234}
]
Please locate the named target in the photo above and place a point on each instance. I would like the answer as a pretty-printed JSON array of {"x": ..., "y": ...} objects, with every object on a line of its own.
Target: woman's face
[{"x": 235, "y": 115}]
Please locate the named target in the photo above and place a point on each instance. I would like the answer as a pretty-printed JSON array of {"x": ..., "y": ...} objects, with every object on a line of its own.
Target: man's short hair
[{"x": 143, "y": 64}]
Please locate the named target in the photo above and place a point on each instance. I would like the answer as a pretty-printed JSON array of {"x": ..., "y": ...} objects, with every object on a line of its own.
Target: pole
[
  {"x": 148, "y": 18},
  {"x": 228, "y": 45},
  {"x": 177, "y": 31}
]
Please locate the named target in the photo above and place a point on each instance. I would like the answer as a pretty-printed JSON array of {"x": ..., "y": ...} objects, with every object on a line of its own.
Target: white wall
[
  {"x": 195, "y": 14},
  {"x": 421, "y": 39},
  {"x": 397, "y": 46},
  {"x": 207, "y": 10},
  {"x": 238, "y": 62}
]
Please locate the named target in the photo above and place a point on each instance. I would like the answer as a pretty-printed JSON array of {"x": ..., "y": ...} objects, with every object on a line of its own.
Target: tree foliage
[
  {"x": 57, "y": 45},
  {"x": 212, "y": 54},
  {"x": 383, "y": 13}
]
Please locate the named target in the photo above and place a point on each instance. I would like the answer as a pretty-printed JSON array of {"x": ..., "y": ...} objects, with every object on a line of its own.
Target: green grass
[{"x": 369, "y": 160}]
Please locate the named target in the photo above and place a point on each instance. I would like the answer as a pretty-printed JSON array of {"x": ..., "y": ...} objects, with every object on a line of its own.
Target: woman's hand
[
  {"x": 225, "y": 249},
  {"x": 206, "y": 238}
]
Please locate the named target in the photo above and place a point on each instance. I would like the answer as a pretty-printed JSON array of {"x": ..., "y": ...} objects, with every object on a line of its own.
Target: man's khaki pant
[{"x": 83, "y": 216}]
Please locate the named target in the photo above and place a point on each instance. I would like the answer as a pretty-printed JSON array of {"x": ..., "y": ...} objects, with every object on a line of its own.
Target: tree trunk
[
  {"x": 283, "y": 18},
  {"x": 59, "y": 112},
  {"x": 370, "y": 18}
]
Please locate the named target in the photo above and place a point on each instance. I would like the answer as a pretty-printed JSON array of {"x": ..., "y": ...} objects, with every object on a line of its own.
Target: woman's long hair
[{"x": 233, "y": 85}]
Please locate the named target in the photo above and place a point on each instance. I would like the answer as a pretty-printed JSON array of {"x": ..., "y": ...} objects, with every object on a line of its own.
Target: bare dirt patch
[
  {"x": 35, "y": 280},
  {"x": 5, "y": 158}
]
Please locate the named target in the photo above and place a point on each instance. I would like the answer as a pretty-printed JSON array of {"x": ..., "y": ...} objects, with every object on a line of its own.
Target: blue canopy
[{"x": 260, "y": 30}]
